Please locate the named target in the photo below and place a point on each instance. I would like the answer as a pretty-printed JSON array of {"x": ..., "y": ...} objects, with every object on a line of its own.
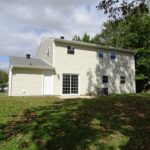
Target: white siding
[
  {"x": 45, "y": 50},
  {"x": 91, "y": 69},
  {"x": 27, "y": 82}
]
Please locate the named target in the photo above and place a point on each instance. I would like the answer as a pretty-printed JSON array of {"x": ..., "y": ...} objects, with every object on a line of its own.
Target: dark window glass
[
  {"x": 102, "y": 91},
  {"x": 70, "y": 84},
  {"x": 112, "y": 55},
  {"x": 70, "y": 50},
  {"x": 66, "y": 84},
  {"x": 105, "y": 79},
  {"x": 100, "y": 53},
  {"x": 122, "y": 79},
  {"x": 74, "y": 84}
]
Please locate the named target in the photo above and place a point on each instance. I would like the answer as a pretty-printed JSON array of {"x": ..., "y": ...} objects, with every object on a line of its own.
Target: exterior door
[{"x": 47, "y": 84}]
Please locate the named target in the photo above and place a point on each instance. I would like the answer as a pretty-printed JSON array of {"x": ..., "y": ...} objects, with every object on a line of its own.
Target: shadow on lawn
[{"x": 70, "y": 124}]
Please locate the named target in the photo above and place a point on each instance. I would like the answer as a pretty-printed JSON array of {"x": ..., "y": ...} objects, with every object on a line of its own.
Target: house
[{"x": 63, "y": 67}]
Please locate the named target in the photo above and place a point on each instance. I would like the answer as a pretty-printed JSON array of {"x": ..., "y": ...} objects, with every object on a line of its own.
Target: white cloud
[{"x": 24, "y": 22}]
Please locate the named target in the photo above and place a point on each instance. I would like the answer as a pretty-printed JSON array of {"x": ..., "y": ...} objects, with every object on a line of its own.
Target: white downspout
[{"x": 10, "y": 82}]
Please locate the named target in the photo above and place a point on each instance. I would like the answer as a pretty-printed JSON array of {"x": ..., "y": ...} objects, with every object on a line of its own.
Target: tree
[
  {"x": 118, "y": 9},
  {"x": 85, "y": 38},
  {"x": 76, "y": 38},
  {"x": 3, "y": 79},
  {"x": 131, "y": 32}
]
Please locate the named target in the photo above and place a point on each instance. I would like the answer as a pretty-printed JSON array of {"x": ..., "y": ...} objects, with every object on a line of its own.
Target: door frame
[
  {"x": 51, "y": 75},
  {"x": 61, "y": 86}
]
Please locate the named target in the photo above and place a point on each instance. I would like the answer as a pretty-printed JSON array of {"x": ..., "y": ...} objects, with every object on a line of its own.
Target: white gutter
[{"x": 95, "y": 45}]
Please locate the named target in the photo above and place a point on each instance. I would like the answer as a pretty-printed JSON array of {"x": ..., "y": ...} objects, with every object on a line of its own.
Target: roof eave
[
  {"x": 32, "y": 67},
  {"x": 95, "y": 45}
]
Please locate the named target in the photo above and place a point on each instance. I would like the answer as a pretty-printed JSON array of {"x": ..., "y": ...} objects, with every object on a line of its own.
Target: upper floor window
[
  {"x": 100, "y": 53},
  {"x": 70, "y": 50},
  {"x": 105, "y": 79},
  {"x": 122, "y": 79},
  {"x": 112, "y": 55}
]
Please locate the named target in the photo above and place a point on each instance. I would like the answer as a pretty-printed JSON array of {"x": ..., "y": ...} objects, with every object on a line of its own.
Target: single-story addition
[{"x": 63, "y": 67}]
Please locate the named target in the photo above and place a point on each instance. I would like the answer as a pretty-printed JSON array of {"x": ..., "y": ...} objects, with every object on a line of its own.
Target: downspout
[{"x": 10, "y": 81}]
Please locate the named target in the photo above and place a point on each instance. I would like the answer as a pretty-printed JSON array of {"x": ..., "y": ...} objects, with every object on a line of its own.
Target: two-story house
[{"x": 63, "y": 67}]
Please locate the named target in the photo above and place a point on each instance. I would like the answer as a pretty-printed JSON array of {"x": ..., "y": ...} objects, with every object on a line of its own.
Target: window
[
  {"x": 112, "y": 55},
  {"x": 70, "y": 50},
  {"x": 100, "y": 53},
  {"x": 70, "y": 84},
  {"x": 105, "y": 79},
  {"x": 122, "y": 80},
  {"x": 102, "y": 91},
  {"x": 48, "y": 51}
]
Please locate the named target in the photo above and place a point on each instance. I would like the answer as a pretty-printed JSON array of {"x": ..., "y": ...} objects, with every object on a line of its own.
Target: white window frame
[
  {"x": 124, "y": 80},
  {"x": 72, "y": 49},
  {"x": 100, "y": 52},
  {"x": 61, "y": 86},
  {"x": 112, "y": 54}
]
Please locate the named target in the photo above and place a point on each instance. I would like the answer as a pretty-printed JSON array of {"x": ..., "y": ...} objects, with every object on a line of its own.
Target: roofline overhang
[
  {"x": 32, "y": 67},
  {"x": 95, "y": 45}
]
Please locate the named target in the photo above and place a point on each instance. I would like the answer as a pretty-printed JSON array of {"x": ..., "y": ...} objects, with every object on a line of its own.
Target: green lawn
[{"x": 104, "y": 123}]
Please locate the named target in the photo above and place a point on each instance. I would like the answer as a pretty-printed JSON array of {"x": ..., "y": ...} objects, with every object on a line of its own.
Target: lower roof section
[{"x": 29, "y": 63}]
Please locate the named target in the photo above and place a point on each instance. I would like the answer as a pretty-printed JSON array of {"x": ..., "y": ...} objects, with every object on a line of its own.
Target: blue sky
[
  {"x": 4, "y": 59},
  {"x": 4, "y": 62},
  {"x": 24, "y": 23}
]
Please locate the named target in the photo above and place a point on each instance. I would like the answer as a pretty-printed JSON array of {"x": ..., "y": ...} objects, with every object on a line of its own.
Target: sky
[{"x": 23, "y": 23}]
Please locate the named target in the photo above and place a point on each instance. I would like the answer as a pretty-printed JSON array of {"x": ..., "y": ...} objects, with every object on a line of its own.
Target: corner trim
[{"x": 10, "y": 82}]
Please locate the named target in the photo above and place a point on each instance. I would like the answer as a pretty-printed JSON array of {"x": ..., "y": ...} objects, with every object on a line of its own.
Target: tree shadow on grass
[{"x": 76, "y": 124}]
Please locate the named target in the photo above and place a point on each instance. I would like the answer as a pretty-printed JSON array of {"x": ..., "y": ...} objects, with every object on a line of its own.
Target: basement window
[
  {"x": 122, "y": 80},
  {"x": 105, "y": 79},
  {"x": 70, "y": 50}
]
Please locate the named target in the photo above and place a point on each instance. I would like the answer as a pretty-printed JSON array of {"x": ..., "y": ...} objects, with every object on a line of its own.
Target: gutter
[
  {"x": 95, "y": 46},
  {"x": 32, "y": 67}
]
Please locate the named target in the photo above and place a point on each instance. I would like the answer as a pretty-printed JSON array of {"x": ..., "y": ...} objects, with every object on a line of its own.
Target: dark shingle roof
[{"x": 31, "y": 63}]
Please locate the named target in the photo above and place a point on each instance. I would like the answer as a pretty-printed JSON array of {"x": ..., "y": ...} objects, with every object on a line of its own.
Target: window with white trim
[
  {"x": 105, "y": 79},
  {"x": 70, "y": 50},
  {"x": 112, "y": 55},
  {"x": 70, "y": 84},
  {"x": 122, "y": 79},
  {"x": 100, "y": 53}
]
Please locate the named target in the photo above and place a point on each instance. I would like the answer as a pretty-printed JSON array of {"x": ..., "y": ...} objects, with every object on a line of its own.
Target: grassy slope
[{"x": 113, "y": 122}]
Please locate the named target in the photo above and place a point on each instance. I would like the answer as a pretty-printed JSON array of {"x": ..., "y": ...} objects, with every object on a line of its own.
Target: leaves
[
  {"x": 3, "y": 79},
  {"x": 117, "y": 10}
]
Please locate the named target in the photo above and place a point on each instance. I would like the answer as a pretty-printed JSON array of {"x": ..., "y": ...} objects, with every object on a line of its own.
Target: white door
[{"x": 47, "y": 84}]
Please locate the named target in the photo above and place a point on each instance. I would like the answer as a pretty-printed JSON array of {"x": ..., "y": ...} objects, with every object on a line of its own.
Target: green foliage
[
  {"x": 3, "y": 79},
  {"x": 85, "y": 38},
  {"x": 117, "y": 9},
  {"x": 131, "y": 33},
  {"x": 76, "y": 38}
]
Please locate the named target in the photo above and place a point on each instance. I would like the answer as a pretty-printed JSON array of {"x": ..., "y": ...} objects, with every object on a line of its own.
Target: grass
[{"x": 104, "y": 123}]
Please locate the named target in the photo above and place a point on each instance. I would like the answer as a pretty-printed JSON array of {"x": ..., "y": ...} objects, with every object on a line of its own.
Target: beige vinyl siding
[
  {"x": 91, "y": 69},
  {"x": 27, "y": 82},
  {"x": 46, "y": 47}
]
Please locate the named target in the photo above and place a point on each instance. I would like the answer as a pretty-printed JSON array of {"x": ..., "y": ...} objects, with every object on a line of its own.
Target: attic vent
[
  {"x": 28, "y": 56},
  {"x": 62, "y": 37}
]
